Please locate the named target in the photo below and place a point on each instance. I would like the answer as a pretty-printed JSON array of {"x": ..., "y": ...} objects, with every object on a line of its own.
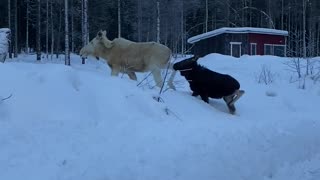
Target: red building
[{"x": 239, "y": 41}]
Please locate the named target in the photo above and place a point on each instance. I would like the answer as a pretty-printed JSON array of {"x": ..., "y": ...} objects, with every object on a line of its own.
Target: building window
[
  {"x": 275, "y": 49},
  {"x": 279, "y": 50},
  {"x": 235, "y": 49},
  {"x": 268, "y": 49},
  {"x": 253, "y": 48}
]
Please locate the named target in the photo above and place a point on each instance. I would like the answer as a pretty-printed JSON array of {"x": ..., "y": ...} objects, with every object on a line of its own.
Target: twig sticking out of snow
[
  {"x": 6, "y": 98},
  {"x": 144, "y": 79}
]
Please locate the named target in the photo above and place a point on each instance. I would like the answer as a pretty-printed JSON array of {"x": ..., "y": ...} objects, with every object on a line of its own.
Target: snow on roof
[{"x": 241, "y": 30}]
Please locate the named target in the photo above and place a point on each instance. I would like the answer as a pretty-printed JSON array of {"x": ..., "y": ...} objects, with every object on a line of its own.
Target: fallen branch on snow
[{"x": 6, "y": 98}]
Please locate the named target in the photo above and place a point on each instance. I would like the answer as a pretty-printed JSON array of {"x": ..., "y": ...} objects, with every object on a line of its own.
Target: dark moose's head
[{"x": 186, "y": 65}]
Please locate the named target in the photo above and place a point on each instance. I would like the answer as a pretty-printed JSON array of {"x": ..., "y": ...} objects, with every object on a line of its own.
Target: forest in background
[{"x": 41, "y": 25}]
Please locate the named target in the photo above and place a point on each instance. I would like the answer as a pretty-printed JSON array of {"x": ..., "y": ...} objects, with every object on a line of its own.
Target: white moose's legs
[
  {"x": 132, "y": 75},
  {"x": 115, "y": 71},
  {"x": 157, "y": 77},
  {"x": 170, "y": 81}
]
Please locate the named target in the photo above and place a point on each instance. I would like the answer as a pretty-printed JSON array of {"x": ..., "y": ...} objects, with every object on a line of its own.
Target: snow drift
[{"x": 80, "y": 123}]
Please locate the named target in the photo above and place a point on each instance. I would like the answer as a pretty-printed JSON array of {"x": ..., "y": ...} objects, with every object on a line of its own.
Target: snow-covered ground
[{"x": 79, "y": 123}]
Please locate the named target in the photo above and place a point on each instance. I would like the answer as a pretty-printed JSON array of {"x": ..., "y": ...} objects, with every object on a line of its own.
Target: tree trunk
[
  {"x": 59, "y": 34},
  {"x": 289, "y": 29},
  {"x": 243, "y": 21},
  {"x": 72, "y": 27},
  {"x": 52, "y": 32},
  {"x": 318, "y": 39},
  {"x": 269, "y": 14},
  {"x": 15, "y": 28},
  {"x": 282, "y": 15},
  {"x": 206, "y": 18},
  {"x": 84, "y": 24},
  {"x": 27, "y": 28},
  {"x": 82, "y": 28},
  {"x": 182, "y": 29},
  {"x": 9, "y": 26},
  {"x": 158, "y": 21},
  {"x": 119, "y": 18},
  {"x": 66, "y": 29},
  {"x": 250, "y": 13},
  {"x": 47, "y": 29},
  {"x": 38, "y": 32},
  {"x": 304, "y": 29},
  {"x": 228, "y": 13},
  {"x": 139, "y": 21}
]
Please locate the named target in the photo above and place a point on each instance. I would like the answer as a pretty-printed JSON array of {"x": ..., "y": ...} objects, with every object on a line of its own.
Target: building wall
[
  {"x": 210, "y": 45},
  {"x": 262, "y": 39},
  {"x": 221, "y": 43}
]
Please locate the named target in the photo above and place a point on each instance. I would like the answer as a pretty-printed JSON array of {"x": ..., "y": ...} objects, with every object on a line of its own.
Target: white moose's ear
[
  {"x": 104, "y": 33},
  {"x": 99, "y": 33}
]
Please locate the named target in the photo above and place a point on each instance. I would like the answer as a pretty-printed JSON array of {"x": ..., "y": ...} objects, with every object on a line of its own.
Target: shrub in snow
[
  {"x": 316, "y": 76},
  {"x": 4, "y": 43},
  {"x": 265, "y": 76}
]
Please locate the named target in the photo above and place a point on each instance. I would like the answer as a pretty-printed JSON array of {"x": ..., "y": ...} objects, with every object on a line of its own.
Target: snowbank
[{"x": 80, "y": 123}]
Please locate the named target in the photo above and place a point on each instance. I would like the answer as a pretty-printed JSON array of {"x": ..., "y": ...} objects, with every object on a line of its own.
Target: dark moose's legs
[
  {"x": 231, "y": 99},
  {"x": 195, "y": 94},
  {"x": 203, "y": 97}
]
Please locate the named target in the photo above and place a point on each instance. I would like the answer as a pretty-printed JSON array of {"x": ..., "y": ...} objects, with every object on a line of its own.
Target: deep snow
[{"x": 78, "y": 122}]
